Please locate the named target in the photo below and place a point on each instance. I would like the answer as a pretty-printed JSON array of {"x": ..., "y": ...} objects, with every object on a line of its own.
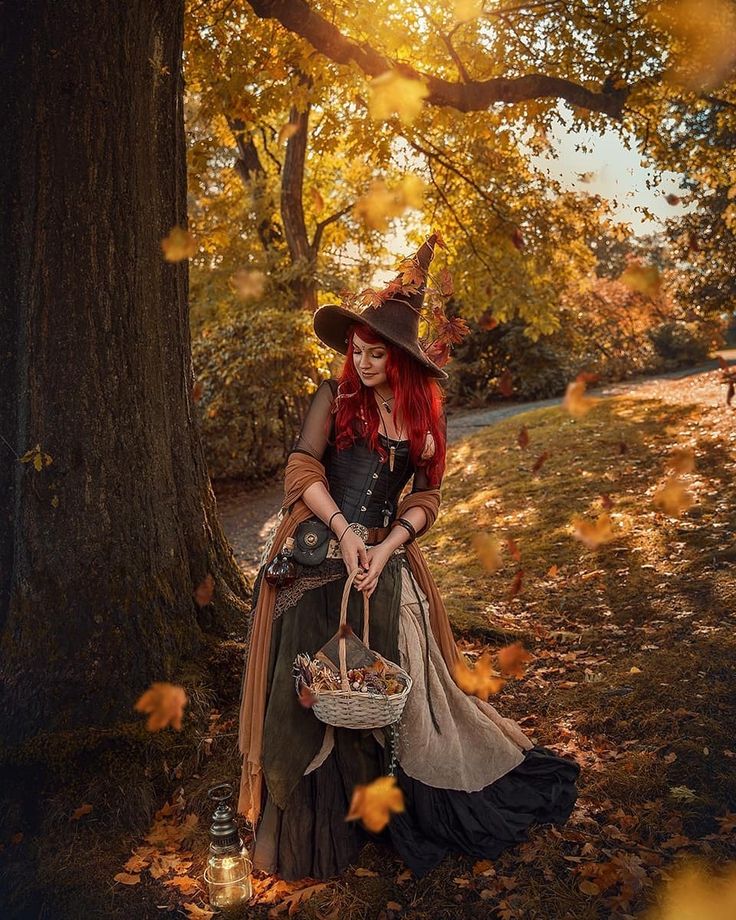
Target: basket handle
[{"x": 343, "y": 620}]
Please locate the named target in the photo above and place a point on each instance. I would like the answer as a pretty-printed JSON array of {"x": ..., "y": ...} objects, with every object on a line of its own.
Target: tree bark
[
  {"x": 101, "y": 549},
  {"x": 303, "y": 256}
]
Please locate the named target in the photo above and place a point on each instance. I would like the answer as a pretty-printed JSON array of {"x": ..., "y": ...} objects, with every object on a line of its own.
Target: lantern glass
[{"x": 228, "y": 876}]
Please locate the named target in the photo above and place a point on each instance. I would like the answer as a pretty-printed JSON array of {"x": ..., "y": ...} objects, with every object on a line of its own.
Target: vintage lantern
[{"x": 228, "y": 872}]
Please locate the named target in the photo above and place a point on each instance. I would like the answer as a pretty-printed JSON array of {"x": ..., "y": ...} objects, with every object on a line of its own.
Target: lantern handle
[{"x": 224, "y": 796}]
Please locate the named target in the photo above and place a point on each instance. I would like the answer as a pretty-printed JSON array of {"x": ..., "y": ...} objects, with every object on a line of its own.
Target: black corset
[{"x": 360, "y": 482}]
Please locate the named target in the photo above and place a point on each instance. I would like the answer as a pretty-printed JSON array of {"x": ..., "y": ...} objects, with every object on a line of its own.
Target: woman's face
[{"x": 370, "y": 362}]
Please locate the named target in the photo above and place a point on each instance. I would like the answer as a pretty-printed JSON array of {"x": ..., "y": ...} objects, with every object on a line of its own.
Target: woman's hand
[
  {"x": 354, "y": 553},
  {"x": 378, "y": 556}
]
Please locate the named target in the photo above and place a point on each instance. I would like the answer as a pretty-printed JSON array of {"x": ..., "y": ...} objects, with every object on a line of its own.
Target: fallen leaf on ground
[
  {"x": 126, "y": 879},
  {"x": 185, "y": 883},
  {"x": 80, "y": 812},
  {"x": 194, "y": 912}
]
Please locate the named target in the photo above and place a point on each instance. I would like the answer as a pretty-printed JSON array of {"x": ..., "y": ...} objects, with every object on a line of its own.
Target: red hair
[{"x": 419, "y": 401}]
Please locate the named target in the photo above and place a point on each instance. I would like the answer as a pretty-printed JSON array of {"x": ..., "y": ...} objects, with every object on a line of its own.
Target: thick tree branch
[
  {"x": 320, "y": 228},
  {"x": 468, "y": 96}
]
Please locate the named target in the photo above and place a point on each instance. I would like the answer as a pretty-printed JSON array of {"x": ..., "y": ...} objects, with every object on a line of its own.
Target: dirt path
[{"x": 247, "y": 515}]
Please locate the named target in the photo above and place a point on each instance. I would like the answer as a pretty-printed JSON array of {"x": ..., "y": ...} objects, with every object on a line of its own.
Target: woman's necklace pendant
[{"x": 391, "y": 457}]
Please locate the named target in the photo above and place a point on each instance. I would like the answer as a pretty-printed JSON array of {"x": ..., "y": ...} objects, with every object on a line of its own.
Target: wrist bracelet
[
  {"x": 344, "y": 532},
  {"x": 329, "y": 523},
  {"x": 408, "y": 526}
]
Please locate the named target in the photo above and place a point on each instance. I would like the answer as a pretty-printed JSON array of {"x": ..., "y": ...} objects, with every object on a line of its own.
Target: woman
[{"x": 472, "y": 781}]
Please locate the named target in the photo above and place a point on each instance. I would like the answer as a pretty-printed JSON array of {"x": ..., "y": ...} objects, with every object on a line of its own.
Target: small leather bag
[{"x": 311, "y": 542}]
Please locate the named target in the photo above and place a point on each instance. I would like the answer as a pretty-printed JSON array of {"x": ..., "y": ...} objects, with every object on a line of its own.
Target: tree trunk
[
  {"x": 303, "y": 256},
  {"x": 102, "y": 548}
]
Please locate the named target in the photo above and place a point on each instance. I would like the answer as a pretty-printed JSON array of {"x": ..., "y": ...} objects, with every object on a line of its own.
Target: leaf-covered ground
[{"x": 633, "y": 674}]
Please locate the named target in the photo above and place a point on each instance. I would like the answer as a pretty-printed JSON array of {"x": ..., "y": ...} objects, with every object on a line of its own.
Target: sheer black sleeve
[
  {"x": 318, "y": 423},
  {"x": 421, "y": 483}
]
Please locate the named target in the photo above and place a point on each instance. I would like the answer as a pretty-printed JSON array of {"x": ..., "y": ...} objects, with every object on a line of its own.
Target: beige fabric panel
[{"x": 477, "y": 744}]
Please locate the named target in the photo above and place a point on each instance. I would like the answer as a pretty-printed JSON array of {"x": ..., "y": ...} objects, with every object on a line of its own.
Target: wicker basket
[{"x": 348, "y": 708}]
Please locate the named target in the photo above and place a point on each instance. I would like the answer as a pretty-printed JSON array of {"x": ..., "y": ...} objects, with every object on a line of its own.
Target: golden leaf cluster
[
  {"x": 380, "y": 204},
  {"x": 391, "y": 94}
]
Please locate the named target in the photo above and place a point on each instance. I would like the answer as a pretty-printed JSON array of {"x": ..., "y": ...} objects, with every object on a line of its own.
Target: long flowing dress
[{"x": 471, "y": 783}]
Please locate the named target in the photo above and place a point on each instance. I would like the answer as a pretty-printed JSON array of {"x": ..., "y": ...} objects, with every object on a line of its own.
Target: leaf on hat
[
  {"x": 445, "y": 283},
  {"x": 370, "y": 297},
  {"x": 412, "y": 272},
  {"x": 390, "y": 93},
  {"x": 452, "y": 330}
]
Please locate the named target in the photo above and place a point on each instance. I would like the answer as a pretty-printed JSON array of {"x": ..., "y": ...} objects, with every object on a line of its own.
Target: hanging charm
[
  {"x": 387, "y": 509},
  {"x": 391, "y": 457}
]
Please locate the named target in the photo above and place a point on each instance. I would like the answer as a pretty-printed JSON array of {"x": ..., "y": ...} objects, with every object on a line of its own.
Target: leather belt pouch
[{"x": 311, "y": 540}]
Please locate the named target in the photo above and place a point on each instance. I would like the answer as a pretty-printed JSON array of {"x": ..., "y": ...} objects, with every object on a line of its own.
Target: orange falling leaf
[
  {"x": 178, "y": 245},
  {"x": 375, "y": 802},
  {"x": 681, "y": 460},
  {"x": 523, "y": 438},
  {"x": 488, "y": 549},
  {"x": 552, "y": 571},
  {"x": 506, "y": 384},
  {"x": 481, "y": 681},
  {"x": 593, "y": 533},
  {"x": 673, "y": 497},
  {"x": 286, "y": 131},
  {"x": 575, "y": 401},
  {"x": 516, "y": 585},
  {"x": 513, "y": 548},
  {"x": 512, "y": 659},
  {"x": 540, "y": 461},
  {"x": 165, "y": 704}
]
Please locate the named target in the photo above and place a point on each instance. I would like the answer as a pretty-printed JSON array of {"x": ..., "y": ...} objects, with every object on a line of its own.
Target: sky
[{"x": 618, "y": 174}]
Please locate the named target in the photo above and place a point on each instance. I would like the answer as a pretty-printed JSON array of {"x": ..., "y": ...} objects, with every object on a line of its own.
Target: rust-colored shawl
[{"x": 301, "y": 471}]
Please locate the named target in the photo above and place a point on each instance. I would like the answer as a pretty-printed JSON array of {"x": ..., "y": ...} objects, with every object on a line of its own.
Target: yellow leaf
[
  {"x": 375, "y": 802},
  {"x": 393, "y": 94},
  {"x": 488, "y": 549},
  {"x": 465, "y": 10},
  {"x": 703, "y": 34},
  {"x": 248, "y": 284},
  {"x": 178, "y": 245},
  {"x": 288, "y": 130},
  {"x": 644, "y": 279},
  {"x": 318, "y": 201},
  {"x": 380, "y": 204},
  {"x": 165, "y": 704},
  {"x": 365, "y": 873},
  {"x": 634, "y": 670}
]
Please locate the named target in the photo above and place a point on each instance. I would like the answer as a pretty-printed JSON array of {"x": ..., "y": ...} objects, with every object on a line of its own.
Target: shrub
[{"x": 256, "y": 373}]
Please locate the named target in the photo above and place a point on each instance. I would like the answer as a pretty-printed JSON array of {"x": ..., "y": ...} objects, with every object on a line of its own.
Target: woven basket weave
[{"x": 348, "y": 708}]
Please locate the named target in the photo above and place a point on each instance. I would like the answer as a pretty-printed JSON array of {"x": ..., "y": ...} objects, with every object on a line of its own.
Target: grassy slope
[{"x": 659, "y": 598}]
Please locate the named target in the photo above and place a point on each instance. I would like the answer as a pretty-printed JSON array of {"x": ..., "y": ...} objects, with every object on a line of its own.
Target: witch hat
[{"x": 396, "y": 318}]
